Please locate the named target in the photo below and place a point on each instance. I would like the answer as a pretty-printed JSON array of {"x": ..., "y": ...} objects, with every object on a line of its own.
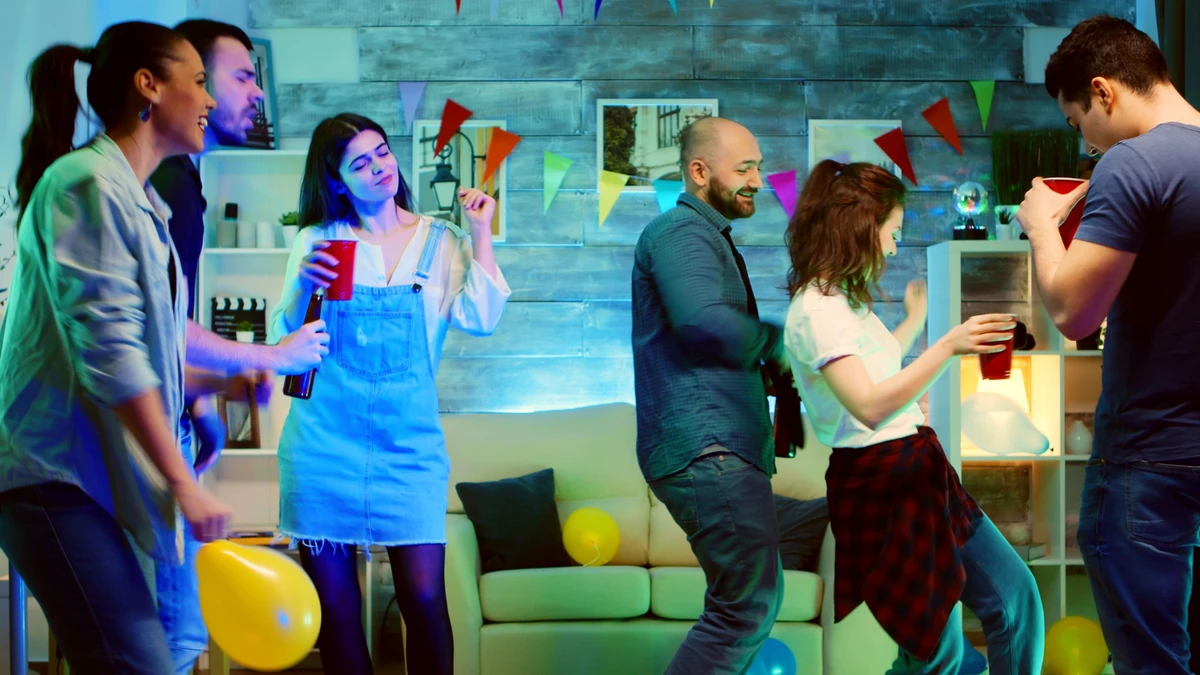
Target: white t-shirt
[{"x": 823, "y": 328}]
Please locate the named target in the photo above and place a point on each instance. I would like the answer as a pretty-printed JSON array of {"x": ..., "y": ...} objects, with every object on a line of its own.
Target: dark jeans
[
  {"x": 725, "y": 506},
  {"x": 1139, "y": 527},
  {"x": 81, "y": 568}
]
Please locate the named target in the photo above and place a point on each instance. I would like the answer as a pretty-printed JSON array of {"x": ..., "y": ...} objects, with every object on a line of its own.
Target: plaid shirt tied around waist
[{"x": 899, "y": 516}]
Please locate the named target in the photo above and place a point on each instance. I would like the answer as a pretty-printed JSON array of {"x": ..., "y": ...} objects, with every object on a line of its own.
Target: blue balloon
[
  {"x": 775, "y": 658},
  {"x": 973, "y": 662}
]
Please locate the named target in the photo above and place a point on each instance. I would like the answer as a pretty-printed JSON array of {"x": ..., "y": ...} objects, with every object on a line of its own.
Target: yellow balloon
[
  {"x": 591, "y": 536},
  {"x": 1075, "y": 646},
  {"x": 260, "y": 606}
]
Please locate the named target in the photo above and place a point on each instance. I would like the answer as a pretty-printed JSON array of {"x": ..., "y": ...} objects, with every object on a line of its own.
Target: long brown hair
[
  {"x": 319, "y": 201},
  {"x": 833, "y": 237}
]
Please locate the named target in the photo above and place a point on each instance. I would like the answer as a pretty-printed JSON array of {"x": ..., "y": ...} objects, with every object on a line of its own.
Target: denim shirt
[
  {"x": 91, "y": 323},
  {"x": 696, "y": 348}
]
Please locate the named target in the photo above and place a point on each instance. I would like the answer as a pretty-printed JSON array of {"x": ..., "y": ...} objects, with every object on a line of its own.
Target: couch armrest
[
  {"x": 857, "y": 643},
  {"x": 462, "y": 592}
]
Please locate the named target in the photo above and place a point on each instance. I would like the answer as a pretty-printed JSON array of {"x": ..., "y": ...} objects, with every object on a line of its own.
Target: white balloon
[{"x": 995, "y": 424}]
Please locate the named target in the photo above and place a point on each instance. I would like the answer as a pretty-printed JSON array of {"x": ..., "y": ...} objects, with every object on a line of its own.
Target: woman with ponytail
[
  {"x": 92, "y": 350},
  {"x": 911, "y": 542}
]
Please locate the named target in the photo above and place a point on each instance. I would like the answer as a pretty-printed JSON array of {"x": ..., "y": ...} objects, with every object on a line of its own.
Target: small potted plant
[
  {"x": 245, "y": 332},
  {"x": 291, "y": 227},
  {"x": 1006, "y": 228}
]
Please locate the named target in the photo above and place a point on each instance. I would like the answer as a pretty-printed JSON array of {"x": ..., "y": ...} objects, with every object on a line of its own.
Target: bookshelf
[{"x": 1038, "y": 496}]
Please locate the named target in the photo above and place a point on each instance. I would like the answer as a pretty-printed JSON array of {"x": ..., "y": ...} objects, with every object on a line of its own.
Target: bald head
[
  {"x": 705, "y": 138},
  {"x": 720, "y": 162}
]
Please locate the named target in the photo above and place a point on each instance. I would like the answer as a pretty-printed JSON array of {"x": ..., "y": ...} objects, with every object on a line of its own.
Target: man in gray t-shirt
[{"x": 1136, "y": 260}]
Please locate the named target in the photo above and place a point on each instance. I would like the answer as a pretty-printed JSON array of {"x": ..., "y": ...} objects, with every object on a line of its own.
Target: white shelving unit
[
  {"x": 1059, "y": 380},
  {"x": 264, "y": 184}
]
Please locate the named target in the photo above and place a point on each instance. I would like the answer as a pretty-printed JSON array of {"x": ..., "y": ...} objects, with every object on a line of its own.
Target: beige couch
[{"x": 629, "y": 616}]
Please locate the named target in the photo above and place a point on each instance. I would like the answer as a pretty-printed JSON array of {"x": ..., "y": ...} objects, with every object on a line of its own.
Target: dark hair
[
  {"x": 319, "y": 202},
  {"x": 204, "y": 33},
  {"x": 123, "y": 49},
  {"x": 833, "y": 237},
  {"x": 1104, "y": 46}
]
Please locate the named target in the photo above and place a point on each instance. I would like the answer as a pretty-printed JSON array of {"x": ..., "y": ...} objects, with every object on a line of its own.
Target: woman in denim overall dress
[{"x": 363, "y": 461}]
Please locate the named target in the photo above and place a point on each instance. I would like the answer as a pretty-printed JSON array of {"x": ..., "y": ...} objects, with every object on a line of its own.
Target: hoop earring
[{"x": 145, "y": 114}]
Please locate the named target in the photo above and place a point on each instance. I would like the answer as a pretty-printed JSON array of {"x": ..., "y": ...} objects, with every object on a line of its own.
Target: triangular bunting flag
[
  {"x": 892, "y": 144},
  {"x": 457, "y": 6},
  {"x": 554, "y": 169},
  {"x": 453, "y": 115},
  {"x": 611, "y": 185},
  {"x": 410, "y": 100},
  {"x": 841, "y": 158},
  {"x": 939, "y": 117},
  {"x": 710, "y": 4},
  {"x": 785, "y": 188},
  {"x": 667, "y": 192},
  {"x": 495, "y": 8},
  {"x": 984, "y": 90},
  {"x": 560, "y": 9},
  {"x": 499, "y": 148},
  {"x": 597, "y": 16},
  {"x": 674, "y": 8}
]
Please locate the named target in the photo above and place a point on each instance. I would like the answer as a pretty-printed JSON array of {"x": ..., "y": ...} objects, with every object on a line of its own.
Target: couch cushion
[
  {"x": 516, "y": 522},
  {"x": 592, "y": 451},
  {"x": 678, "y": 593},
  {"x": 565, "y": 593}
]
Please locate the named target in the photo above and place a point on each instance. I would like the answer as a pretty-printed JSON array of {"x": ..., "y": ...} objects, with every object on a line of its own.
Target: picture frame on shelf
[
  {"x": 436, "y": 177},
  {"x": 265, "y": 133},
  {"x": 852, "y": 140},
  {"x": 639, "y": 137}
]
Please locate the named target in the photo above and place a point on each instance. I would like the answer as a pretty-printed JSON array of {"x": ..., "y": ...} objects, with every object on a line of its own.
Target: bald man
[{"x": 704, "y": 438}]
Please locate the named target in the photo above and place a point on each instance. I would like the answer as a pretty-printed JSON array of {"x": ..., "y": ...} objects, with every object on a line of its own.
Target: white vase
[
  {"x": 1079, "y": 439},
  {"x": 264, "y": 234},
  {"x": 289, "y": 234},
  {"x": 246, "y": 233},
  {"x": 227, "y": 234},
  {"x": 245, "y": 336}
]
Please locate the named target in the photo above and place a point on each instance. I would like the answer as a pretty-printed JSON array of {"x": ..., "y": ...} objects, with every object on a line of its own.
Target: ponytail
[
  {"x": 122, "y": 50},
  {"x": 55, "y": 106}
]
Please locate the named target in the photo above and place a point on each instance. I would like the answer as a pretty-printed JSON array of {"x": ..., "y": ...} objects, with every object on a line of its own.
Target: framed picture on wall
[
  {"x": 436, "y": 178},
  {"x": 850, "y": 140},
  {"x": 639, "y": 137},
  {"x": 265, "y": 134}
]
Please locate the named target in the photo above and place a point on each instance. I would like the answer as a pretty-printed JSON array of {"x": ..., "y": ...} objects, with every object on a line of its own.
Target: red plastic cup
[
  {"x": 1063, "y": 186},
  {"x": 998, "y": 365},
  {"x": 341, "y": 288}
]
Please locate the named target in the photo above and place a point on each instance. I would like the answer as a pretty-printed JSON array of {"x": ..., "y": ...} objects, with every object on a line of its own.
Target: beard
[
  {"x": 228, "y": 131},
  {"x": 727, "y": 202}
]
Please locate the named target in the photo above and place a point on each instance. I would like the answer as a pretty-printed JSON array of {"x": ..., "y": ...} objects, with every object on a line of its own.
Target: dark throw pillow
[
  {"x": 516, "y": 522},
  {"x": 802, "y": 527}
]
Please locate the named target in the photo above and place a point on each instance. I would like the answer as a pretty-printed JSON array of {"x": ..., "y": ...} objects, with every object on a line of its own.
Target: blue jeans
[
  {"x": 177, "y": 592},
  {"x": 80, "y": 566},
  {"x": 178, "y": 596},
  {"x": 1139, "y": 525},
  {"x": 1001, "y": 591},
  {"x": 725, "y": 506}
]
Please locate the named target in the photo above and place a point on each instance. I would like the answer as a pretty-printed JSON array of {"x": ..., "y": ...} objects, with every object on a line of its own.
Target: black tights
[{"x": 419, "y": 575}]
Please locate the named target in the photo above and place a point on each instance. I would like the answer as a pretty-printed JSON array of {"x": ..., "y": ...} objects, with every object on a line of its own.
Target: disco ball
[{"x": 970, "y": 199}]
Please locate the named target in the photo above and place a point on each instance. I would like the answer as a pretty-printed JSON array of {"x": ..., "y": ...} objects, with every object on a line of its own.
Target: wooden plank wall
[{"x": 773, "y": 65}]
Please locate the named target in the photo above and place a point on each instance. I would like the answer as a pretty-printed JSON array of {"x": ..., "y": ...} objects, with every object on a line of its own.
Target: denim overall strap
[{"x": 436, "y": 230}]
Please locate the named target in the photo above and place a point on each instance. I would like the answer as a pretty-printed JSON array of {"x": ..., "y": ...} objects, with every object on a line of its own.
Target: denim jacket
[{"x": 90, "y": 323}]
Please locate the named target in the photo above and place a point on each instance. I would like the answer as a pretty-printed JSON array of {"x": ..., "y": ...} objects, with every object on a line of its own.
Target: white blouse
[
  {"x": 823, "y": 328},
  {"x": 459, "y": 292}
]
